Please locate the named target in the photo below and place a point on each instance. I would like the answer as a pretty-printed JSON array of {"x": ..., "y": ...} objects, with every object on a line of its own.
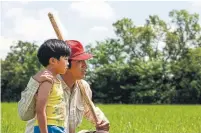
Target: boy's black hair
[{"x": 52, "y": 48}]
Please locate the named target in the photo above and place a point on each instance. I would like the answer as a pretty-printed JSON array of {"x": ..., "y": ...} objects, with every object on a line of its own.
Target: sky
[{"x": 86, "y": 21}]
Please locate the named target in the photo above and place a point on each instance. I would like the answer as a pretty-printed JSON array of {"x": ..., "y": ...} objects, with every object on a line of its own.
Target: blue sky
[{"x": 86, "y": 21}]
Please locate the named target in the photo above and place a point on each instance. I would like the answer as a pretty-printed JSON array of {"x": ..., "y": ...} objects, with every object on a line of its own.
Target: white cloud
[
  {"x": 14, "y": 12},
  {"x": 195, "y": 6},
  {"x": 6, "y": 42},
  {"x": 25, "y": 2},
  {"x": 99, "y": 33},
  {"x": 93, "y": 9},
  {"x": 32, "y": 28},
  {"x": 99, "y": 29},
  {"x": 5, "y": 45}
]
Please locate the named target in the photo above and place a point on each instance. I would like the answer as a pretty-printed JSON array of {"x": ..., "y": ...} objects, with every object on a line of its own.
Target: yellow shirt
[{"x": 56, "y": 107}]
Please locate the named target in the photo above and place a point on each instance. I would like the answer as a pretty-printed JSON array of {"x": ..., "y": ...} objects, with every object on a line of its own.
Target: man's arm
[
  {"x": 26, "y": 105},
  {"x": 42, "y": 97},
  {"x": 30, "y": 126},
  {"x": 103, "y": 123}
]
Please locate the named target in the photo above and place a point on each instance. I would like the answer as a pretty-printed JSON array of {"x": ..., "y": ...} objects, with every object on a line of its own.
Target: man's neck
[{"x": 69, "y": 80}]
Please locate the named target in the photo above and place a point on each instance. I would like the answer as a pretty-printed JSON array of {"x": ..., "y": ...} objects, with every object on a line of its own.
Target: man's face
[{"x": 78, "y": 68}]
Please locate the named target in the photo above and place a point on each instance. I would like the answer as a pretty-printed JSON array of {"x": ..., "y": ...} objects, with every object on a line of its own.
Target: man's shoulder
[
  {"x": 84, "y": 82},
  {"x": 86, "y": 85}
]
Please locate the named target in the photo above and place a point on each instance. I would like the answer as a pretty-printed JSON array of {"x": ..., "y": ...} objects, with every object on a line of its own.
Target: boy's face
[
  {"x": 78, "y": 68},
  {"x": 62, "y": 65}
]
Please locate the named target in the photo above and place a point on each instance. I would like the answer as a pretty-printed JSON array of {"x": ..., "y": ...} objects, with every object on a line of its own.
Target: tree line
[{"x": 159, "y": 63}]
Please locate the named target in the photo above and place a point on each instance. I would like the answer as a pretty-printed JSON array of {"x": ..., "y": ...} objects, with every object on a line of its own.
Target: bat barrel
[{"x": 55, "y": 27}]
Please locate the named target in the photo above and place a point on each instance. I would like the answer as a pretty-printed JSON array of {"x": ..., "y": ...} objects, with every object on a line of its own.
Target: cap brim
[{"x": 84, "y": 56}]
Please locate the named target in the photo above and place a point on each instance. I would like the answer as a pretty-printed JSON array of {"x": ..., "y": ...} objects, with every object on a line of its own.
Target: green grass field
[{"x": 127, "y": 119}]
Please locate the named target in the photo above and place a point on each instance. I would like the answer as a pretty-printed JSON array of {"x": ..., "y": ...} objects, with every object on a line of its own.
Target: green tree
[
  {"x": 143, "y": 64},
  {"x": 187, "y": 78},
  {"x": 17, "y": 68}
]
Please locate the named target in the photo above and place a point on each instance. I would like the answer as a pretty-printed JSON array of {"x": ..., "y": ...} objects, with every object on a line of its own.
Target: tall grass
[{"x": 127, "y": 119}]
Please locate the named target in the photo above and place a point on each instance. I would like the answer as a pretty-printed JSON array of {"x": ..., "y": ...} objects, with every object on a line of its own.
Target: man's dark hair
[
  {"x": 70, "y": 63},
  {"x": 52, "y": 48}
]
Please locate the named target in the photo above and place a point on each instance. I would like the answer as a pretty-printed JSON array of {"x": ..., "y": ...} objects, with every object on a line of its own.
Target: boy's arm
[{"x": 42, "y": 97}]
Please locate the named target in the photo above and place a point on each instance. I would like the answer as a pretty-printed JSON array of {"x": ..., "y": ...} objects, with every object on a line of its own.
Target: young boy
[{"x": 50, "y": 104}]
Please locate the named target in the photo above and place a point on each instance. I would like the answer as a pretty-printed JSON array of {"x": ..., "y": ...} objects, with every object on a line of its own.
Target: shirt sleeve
[
  {"x": 27, "y": 101},
  {"x": 30, "y": 126}
]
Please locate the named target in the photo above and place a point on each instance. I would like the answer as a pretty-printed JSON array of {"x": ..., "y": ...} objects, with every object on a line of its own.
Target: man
[{"x": 76, "y": 107}]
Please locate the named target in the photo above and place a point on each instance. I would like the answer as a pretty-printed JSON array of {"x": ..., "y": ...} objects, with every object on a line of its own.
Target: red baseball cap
[{"x": 77, "y": 51}]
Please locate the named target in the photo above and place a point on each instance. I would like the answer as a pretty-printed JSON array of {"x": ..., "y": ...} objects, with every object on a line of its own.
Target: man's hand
[
  {"x": 102, "y": 125},
  {"x": 43, "y": 75}
]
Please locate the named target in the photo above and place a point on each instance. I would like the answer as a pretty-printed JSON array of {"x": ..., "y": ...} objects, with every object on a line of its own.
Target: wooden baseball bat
[
  {"x": 55, "y": 27},
  {"x": 86, "y": 98}
]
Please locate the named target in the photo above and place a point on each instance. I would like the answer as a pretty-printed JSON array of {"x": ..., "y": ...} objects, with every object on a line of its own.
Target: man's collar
[{"x": 65, "y": 86}]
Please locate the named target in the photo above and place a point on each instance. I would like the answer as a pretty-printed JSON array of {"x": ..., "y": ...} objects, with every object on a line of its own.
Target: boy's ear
[{"x": 52, "y": 60}]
